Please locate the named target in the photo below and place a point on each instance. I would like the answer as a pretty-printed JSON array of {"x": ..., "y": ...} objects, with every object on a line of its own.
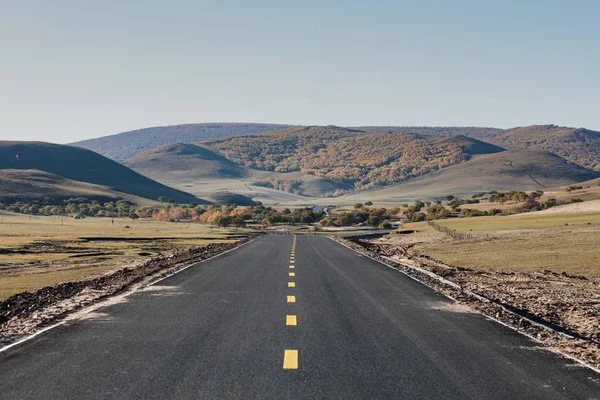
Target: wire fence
[{"x": 451, "y": 232}]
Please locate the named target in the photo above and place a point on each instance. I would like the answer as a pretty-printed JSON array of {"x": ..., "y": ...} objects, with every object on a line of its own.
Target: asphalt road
[{"x": 227, "y": 328}]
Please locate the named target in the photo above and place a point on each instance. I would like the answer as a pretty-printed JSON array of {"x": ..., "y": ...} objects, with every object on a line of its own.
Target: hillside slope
[
  {"x": 509, "y": 170},
  {"x": 32, "y": 185},
  {"x": 581, "y": 146},
  {"x": 208, "y": 174},
  {"x": 125, "y": 145},
  {"x": 184, "y": 161},
  {"x": 364, "y": 160},
  {"x": 471, "y": 131},
  {"x": 85, "y": 166},
  {"x": 578, "y": 145}
]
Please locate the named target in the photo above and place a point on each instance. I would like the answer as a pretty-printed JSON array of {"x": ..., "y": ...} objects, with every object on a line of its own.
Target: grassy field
[
  {"x": 40, "y": 251},
  {"x": 527, "y": 242},
  {"x": 521, "y": 222}
]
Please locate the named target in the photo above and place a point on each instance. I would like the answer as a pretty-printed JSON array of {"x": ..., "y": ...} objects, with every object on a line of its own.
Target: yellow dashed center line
[
  {"x": 291, "y": 267},
  {"x": 291, "y": 299},
  {"x": 292, "y": 274},
  {"x": 290, "y": 359},
  {"x": 291, "y": 320},
  {"x": 291, "y": 284}
]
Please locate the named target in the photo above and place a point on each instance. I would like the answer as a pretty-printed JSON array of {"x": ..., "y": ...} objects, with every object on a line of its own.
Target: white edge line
[
  {"x": 25, "y": 339},
  {"x": 583, "y": 363},
  {"x": 199, "y": 262},
  {"x": 96, "y": 306}
]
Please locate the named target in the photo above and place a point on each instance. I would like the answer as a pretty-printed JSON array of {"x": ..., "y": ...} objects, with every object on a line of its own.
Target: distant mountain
[
  {"x": 77, "y": 164},
  {"x": 508, "y": 170},
  {"x": 364, "y": 160},
  {"x": 125, "y": 145},
  {"x": 581, "y": 146},
  {"x": 184, "y": 162}
]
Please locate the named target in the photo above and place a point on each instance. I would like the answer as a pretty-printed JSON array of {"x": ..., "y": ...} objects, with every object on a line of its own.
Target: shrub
[{"x": 418, "y": 217}]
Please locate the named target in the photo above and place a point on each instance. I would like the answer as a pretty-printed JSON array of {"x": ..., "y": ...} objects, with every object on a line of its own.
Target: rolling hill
[
  {"x": 509, "y": 170},
  {"x": 77, "y": 164},
  {"x": 185, "y": 162},
  {"x": 206, "y": 173},
  {"x": 28, "y": 185},
  {"x": 232, "y": 198},
  {"x": 125, "y": 145},
  {"x": 363, "y": 160},
  {"x": 580, "y": 146}
]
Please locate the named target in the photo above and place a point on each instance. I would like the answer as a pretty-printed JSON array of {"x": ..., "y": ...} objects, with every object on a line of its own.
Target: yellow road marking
[
  {"x": 291, "y": 267},
  {"x": 291, "y": 320},
  {"x": 291, "y": 261},
  {"x": 291, "y": 299},
  {"x": 291, "y": 284},
  {"x": 290, "y": 359},
  {"x": 292, "y": 274}
]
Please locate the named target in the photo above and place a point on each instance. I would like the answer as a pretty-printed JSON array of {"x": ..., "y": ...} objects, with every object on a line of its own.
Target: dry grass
[
  {"x": 535, "y": 242},
  {"x": 40, "y": 251}
]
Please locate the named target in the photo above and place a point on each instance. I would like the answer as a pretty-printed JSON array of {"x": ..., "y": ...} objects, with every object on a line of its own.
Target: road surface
[{"x": 247, "y": 325}]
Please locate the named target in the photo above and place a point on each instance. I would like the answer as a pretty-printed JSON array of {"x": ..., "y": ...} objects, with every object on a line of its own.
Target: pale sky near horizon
[{"x": 72, "y": 70}]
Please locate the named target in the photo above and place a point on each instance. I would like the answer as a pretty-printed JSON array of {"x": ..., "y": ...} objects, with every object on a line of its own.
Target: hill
[
  {"x": 363, "y": 160},
  {"x": 82, "y": 165},
  {"x": 31, "y": 185},
  {"x": 184, "y": 161},
  {"x": 580, "y": 146},
  {"x": 232, "y": 198},
  {"x": 125, "y": 145},
  {"x": 202, "y": 171},
  {"x": 471, "y": 131},
  {"x": 505, "y": 171}
]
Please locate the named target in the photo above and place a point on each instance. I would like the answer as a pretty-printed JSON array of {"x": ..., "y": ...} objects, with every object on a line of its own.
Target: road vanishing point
[{"x": 287, "y": 317}]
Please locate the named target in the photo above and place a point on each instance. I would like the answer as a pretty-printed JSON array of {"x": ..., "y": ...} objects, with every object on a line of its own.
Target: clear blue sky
[{"x": 72, "y": 70}]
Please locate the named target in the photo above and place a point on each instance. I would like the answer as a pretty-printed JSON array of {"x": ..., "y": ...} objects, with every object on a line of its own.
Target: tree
[
  {"x": 551, "y": 202},
  {"x": 266, "y": 222},
  {"x": 358, "y": 205},
  {"x": 162, "y": 199}
]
